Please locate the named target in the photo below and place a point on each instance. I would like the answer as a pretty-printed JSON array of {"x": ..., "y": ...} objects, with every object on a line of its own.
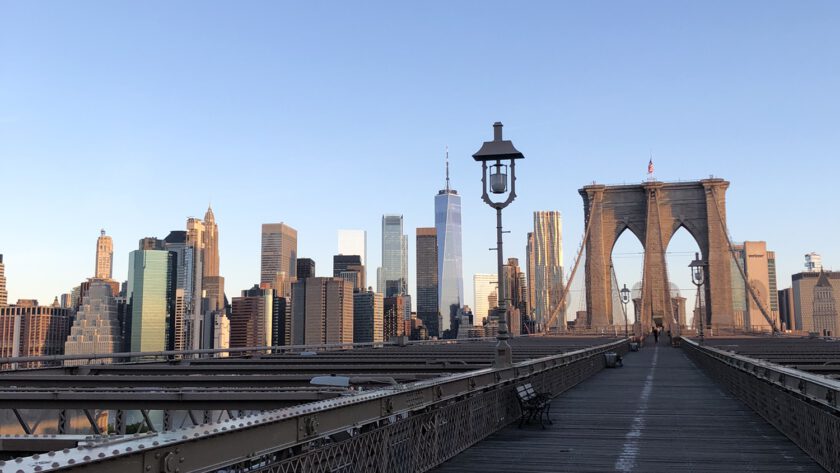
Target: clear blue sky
[{"x": 132, "y": 116}]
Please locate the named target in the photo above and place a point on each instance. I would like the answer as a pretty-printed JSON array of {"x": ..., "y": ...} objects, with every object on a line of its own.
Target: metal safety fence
[
  {"x": 802, "y": 406},
  {"x": 406, "y": 428}
]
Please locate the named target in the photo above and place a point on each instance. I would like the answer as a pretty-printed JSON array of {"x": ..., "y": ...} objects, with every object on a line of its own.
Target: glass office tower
[
  {"x": 394, "y": 273},
  {"x": 450, "y": 259},
  {"x": 151, "y": 294}
]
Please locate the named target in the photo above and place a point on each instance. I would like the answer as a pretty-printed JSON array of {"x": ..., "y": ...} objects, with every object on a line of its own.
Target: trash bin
[{"x": 611, "y": 359}]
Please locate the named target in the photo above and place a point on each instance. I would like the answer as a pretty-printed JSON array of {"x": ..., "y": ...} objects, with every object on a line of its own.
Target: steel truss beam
[{"x": 211, "y": 447}]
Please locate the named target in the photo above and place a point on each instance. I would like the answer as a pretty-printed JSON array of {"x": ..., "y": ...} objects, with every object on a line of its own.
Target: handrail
[
  {"x": 820, "y": 389},
  {"x": 271, "y": 431}
]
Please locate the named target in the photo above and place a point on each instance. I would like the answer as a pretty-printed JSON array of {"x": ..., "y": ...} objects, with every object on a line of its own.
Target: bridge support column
[
  {"x": 657, "y": 306},
  {"x": 718, "y": 287},
  {"x": 597, "y": 268}
]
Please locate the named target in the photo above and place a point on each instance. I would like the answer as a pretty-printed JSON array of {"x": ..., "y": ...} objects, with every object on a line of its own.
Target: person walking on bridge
[{"x": 655, "y": 335}]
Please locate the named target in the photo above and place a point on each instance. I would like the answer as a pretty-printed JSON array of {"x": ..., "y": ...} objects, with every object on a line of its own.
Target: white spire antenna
[{"x": 447, "y": 168}]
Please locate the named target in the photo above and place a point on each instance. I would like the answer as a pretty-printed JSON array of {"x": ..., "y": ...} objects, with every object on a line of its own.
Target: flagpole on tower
[{"x": 650, "y": 167}]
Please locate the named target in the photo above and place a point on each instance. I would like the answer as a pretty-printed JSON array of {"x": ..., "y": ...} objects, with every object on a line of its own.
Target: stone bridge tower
[{"x": 654, "y": 211}]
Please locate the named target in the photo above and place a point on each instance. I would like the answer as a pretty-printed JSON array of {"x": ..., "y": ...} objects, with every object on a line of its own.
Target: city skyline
[{"x": 698, "y": 113}]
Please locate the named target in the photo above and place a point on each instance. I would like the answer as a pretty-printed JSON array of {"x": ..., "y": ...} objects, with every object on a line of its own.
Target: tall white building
[
  {"x": 353, "y": 242},
  {"x": 221, "y": 333},
  {"x": 486, "y": 295},
  {"x": 96, "y": 329},
  {"x": 104, "y": 256},
  {"x": 813, "y": 263},
  {"x": 548, "y": 267}
]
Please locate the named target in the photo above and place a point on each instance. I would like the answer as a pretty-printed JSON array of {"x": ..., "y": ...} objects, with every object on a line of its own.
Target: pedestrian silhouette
[{"x": 655, "y": 336}]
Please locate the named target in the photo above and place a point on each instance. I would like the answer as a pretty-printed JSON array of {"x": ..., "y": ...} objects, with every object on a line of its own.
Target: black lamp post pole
[{"x": 497, "y": 151}]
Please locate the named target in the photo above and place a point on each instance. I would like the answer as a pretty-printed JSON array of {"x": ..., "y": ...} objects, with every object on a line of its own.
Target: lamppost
[
  {"x": 625, "y": 298},
  {"x": 497, "y": 151},
  {"x": 698, "y": 277}
]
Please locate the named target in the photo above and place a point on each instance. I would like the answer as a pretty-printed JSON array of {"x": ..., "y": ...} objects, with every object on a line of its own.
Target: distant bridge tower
[{"x": 654, "y": 211}]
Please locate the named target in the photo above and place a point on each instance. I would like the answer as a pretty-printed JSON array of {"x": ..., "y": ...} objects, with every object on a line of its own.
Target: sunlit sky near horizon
[{"x": 133, "y": 116}]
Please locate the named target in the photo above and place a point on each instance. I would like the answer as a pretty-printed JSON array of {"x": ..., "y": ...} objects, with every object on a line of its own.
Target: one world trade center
[{"x": 450, "y": 266}]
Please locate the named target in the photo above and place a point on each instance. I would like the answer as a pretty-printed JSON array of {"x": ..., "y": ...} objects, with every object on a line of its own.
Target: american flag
[{"x": 650, "y": 166}]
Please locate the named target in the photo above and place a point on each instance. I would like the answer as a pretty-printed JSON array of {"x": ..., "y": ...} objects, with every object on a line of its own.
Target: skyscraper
[
  {"x": 825, "y": 308},
  {"x": 530, "y": 268},
  {"x": 322, "y": 311},
  {"x": 212, "y": 283},
  {"x": 428, "y": 309},
  {"x": 152, "y": 278},
  {"x": 4, "y": 296},
  {"x": 251, "y": 318},
  {"x": 813, "y": 311},
  {"x": 305, "y": 268},
  {"x": 187, "y": 289},
  {"x": 548, "y": 267},
  {"x": 27, "y": 329},
  {"x": 350, "y": 267},
  {"x": 96, "y": 328},
  {"x": 210, "y": 240},
  {"x": 813, "y": 262},
  {"x": 279, "y": 255},
  {"x": 450, "y": 258},
  {"x": 393, "y": 317},
  {"x": 515, "y": 293},
  {"x": 758, "y": 265},
  {"x": 367, "y": 317},
  {"x": 394, "y": 274},
  {"x": 104, "y": 256},
  {"x": 486, "y": 295}
]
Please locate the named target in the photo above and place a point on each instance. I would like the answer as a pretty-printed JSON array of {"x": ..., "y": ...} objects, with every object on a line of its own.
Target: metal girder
[
  {"x": 26, "y": 429},
  {"x": 179, "y": 355},
  {"x": 158, "y": 400},
  {"x": 92, "y": 420},
  {"x": 211, "y": 447}
]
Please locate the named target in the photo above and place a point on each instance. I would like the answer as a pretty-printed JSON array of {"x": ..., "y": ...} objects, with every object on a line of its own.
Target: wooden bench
[{"x": 533, "y": 404}]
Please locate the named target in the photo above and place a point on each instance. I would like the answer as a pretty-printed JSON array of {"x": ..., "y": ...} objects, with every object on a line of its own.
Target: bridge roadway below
[{"x": 659, "y": 413}]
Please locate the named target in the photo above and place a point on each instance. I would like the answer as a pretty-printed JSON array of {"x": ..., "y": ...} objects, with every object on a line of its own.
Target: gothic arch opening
[
  {"x": 680, "y": 252},
  {"x": 628, "y": 259}
]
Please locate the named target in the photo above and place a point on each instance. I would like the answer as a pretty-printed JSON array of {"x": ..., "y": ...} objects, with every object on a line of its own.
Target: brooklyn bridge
[{"x": 717, "y": 394}]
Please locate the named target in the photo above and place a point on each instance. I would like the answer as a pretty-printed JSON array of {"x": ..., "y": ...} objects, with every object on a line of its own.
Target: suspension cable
[
  {"x": 565, "y": 290},
  {"x": 743, "y": 274}
]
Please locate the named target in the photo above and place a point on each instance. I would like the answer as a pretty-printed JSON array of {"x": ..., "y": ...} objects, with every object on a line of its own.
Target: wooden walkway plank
[{"x": 659, "y": 413}]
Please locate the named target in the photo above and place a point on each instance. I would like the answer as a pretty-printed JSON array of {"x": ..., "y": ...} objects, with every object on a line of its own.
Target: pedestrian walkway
[{"x": 659, "y": 413}]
